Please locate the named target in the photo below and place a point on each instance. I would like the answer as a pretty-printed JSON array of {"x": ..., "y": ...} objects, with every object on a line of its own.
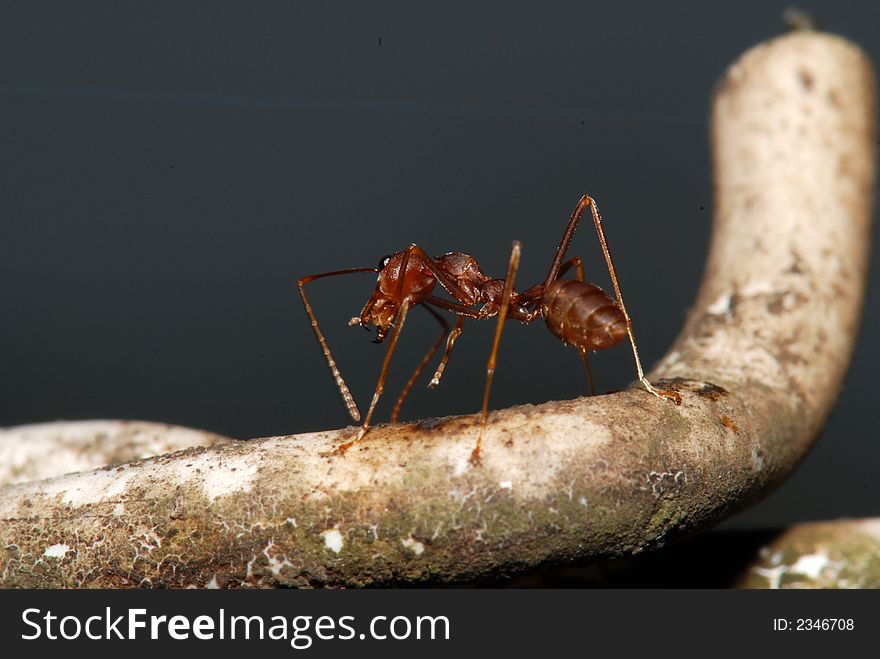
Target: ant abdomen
[{"x": 582, "y": 315}]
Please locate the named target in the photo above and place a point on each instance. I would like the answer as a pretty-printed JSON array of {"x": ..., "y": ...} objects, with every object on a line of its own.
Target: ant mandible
[{"x": 578, "y": 312}]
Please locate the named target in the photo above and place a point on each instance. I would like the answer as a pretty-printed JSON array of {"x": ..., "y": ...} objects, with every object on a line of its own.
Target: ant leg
[
  {"x": 578, "y": 263},
  {"x": 420, "y": 368},
  {"x": 462, "y": 312},
  {"x": 398, "y": 321},
  {"x": 340, "y": 383},
  {"x": 452, "y": 307},
  {"x": 490, "y": 367},
  {"x": 555, "y": 266},
  {"x": 380, "y": 385},
  {"x": 660, "y": 393},
  {"x": 586, "y": 362},
  {"x": 456, "y": 332}
]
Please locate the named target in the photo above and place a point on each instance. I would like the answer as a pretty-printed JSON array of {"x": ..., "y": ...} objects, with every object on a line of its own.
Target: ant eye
[{"x": 384, "y": 261}]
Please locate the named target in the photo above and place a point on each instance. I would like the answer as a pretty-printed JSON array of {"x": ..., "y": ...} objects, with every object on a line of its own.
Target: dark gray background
[{"x": 169, "y": 169}]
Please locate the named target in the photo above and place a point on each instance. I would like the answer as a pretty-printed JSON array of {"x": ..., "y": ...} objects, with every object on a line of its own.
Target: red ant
[{"x": 579, "y": 313}]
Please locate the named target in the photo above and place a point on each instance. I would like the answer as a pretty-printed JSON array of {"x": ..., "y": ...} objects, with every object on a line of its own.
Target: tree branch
[
  {"x": 44, "y": 450},
  {"x": 759, "y": 364},
  {"x": 838, "y": 554}
]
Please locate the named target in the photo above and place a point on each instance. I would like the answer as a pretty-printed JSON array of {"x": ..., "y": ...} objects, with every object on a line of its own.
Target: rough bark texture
[
  {"x": 840, "y": 554},
  {"x": 759, "y": 364},
  {"x": 831, "y": 554},
  {"x": 44, "y": 450}
]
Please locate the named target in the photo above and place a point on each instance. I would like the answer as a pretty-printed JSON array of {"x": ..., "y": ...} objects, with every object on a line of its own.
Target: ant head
[{"x": 393, "y": 285}]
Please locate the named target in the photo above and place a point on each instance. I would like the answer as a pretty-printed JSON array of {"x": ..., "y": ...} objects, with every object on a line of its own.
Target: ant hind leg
[{"x": 674, "y": 396}]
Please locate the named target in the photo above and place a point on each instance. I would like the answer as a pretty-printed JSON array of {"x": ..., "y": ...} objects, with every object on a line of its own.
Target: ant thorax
[{"x": 473, "y": 284}]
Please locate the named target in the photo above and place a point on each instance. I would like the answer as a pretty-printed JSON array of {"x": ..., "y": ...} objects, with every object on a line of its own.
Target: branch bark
[
  {"x": 838, "y": 554},
  {"x": 759, "y": 364},
  {"x": 841, "y": 553},
  {"x": 45, "y": 450}
]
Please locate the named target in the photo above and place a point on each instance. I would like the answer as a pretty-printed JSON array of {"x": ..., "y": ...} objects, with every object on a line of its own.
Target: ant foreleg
[
  {"x": 421, "y": 366},
  {"x": 506, "y": 295},
  {"x": 380, "y": 385}
]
